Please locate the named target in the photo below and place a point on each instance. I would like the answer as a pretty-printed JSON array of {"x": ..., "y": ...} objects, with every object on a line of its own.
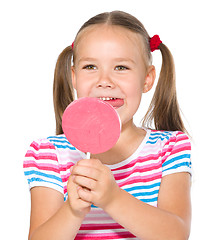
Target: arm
[
  {"x": 170, "y": 220},
  {"x": 52, "y": 218}
]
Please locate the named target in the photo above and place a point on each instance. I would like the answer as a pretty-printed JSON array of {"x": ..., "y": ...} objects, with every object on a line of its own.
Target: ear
[
  {"x": 149, "y": 79},
  {"x": 73, "y": 77}
]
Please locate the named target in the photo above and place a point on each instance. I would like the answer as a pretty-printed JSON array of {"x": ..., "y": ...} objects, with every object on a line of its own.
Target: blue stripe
[
  {"x": 178, "y": 165},
  {"x": 57, "y": 136},
  {"x": 176, "y": 159},
  {"x": 57, "y": 144},
  {"x": 145, "y": 193},
  {"x": 154, "y": 137},
  {"x": 149, "y": 200},
  {"x": 65, "y": 196},
  {"x": 161, "y": 134},
  {"x": 142, "y": 187},
  {"x": 93, "y": 206},
  {"x": 164, "y": 133},
  {"x": 27, "y": 173},
  {"x": 33, "y": 179},
  {"x": 158, "y": 138},
  {"x": 59, "y": 141},
  {"x": 65, "y": 146}
]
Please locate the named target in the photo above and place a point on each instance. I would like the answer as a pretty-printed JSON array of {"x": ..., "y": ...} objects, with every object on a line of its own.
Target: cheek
[
  {"x": 134, "y": 89},
  {"x": 82, "y": 92},
  {"x": 82, "y": 86},
  {"x": 134, "y": 95}
]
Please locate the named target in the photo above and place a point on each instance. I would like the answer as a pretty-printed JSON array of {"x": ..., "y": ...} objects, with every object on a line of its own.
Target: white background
[{"x": 33, "y": 33}]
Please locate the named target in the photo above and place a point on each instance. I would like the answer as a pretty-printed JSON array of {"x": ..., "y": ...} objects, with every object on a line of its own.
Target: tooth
[{"x": 107, "y": 98}]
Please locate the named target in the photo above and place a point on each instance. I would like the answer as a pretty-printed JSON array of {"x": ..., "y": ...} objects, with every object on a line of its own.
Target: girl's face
[{"x": 109, "y": 65}]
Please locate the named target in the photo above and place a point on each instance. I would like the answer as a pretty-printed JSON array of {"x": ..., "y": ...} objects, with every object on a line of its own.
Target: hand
[
  {"x": 78, "y": 206},
  {"x": 98, "y": 185}
]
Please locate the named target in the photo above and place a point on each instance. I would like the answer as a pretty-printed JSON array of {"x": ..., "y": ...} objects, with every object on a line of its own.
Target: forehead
[
  {"x": 103, "y": 34},
  {"x": 107, "y": 29}
]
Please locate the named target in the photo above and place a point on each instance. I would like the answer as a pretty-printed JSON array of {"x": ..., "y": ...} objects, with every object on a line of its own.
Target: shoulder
[
  {"x": 176, "y": 153},
  {"x": 41, "y": 166},
  {"x": 40, "y": 149},
  {"x": 165, "y": 141},
  {"x": 170, "y": 142},
  {"x": 176, "y": 142},
  {"x": 47, "y": 162},
  {"x": 53, "y": 148},
  {"x": 52, "y": 143},
  {"x": 166, "y": 137},
  {"x": 173, "y": 149}
]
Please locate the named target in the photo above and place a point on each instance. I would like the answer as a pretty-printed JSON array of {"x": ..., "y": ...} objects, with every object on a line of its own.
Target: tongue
[{"x": 118, "y": 102}]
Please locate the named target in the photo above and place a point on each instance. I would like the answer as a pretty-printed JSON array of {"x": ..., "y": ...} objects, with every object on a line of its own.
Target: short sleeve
[
  {"x": 41, "y": 166},
  {"x": 176, "y": 156}
]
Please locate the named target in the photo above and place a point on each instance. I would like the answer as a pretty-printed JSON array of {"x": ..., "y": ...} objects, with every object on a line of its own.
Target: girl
[{"x": 139, "y": 189}]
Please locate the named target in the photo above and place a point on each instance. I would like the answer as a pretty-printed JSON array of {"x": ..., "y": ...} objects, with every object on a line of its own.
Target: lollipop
[{"x": 91, "y": 125}]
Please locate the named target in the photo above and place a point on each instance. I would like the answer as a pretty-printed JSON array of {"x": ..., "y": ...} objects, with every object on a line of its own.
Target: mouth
[{"x": 114, "y": 102}]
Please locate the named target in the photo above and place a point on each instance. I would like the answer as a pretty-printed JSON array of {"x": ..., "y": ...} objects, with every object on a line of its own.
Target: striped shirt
[{"x": 48, "y": 161}]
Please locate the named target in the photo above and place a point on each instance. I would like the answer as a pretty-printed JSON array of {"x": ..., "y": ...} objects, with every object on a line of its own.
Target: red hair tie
[
  {"x": 72, "y": 45},
  {"x": 154, "y": 43}
]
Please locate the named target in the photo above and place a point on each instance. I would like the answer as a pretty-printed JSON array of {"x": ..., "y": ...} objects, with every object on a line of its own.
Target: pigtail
[
  {"x": 63, "y": 93},
  {"x": 164, "y": 108}
]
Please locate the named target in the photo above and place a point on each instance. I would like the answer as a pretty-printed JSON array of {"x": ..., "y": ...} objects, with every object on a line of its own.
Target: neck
[{"x": 129, "y": 140}]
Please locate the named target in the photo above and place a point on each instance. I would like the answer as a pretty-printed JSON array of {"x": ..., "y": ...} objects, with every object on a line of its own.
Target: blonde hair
[{"x": 163, "y": 110}]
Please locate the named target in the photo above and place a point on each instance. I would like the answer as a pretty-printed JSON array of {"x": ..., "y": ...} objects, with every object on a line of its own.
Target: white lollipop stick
[{"x": 88, "y": 154}]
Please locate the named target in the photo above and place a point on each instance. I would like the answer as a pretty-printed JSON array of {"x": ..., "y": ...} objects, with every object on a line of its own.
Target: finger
[
  {"x": 95, "y": 163},
  {"x": 85, "y": 182},
  {"x": 83, "y": 202},
  {"x": 85, "y": 194},
  {"x": 86, "y": 171}
]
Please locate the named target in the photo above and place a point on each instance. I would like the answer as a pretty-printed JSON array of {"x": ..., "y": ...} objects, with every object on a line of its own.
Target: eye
[
  {"x": 121, "y": 68},
  {"x": 90, "y": 67}
]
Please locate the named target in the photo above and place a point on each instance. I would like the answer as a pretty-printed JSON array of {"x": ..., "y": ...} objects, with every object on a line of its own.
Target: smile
[
  {"x": 107, "y": 98},
  {"x": 114, "y": 102}
]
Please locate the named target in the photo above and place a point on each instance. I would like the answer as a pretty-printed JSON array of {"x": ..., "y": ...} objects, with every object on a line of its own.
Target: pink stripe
[
  {"x": 37, "y": 146},
  {"x": 65, "y": 177},
  {"x": 182, "y": 136},
  {"x": 65, "y": 167},
  {"x": 41, "y": 166},
  {"x": 138, "y": 160},
  {"x": 117, "y": 235},
  {"x": 50, "y": 156},
  {"x": 181, "y": 148},
  {"x": 100, "y": 226},
  {"x": 139, "y": 179},
  {"x": 175, "y": 150},
  {"x": 65, "y": 189},
  {"x": 138, "y": 169}
]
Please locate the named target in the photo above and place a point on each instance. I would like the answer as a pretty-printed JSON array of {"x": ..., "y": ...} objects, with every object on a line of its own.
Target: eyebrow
[
  {"x": 89, "y": 59},
  {"x": 124, "y": 60}
]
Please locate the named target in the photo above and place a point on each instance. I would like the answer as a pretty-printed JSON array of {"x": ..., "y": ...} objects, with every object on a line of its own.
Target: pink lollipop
[{"x": 91, "y": 125}]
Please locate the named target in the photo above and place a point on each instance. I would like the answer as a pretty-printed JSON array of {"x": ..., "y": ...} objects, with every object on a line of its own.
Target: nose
[{"x": 105, "y": 81}]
